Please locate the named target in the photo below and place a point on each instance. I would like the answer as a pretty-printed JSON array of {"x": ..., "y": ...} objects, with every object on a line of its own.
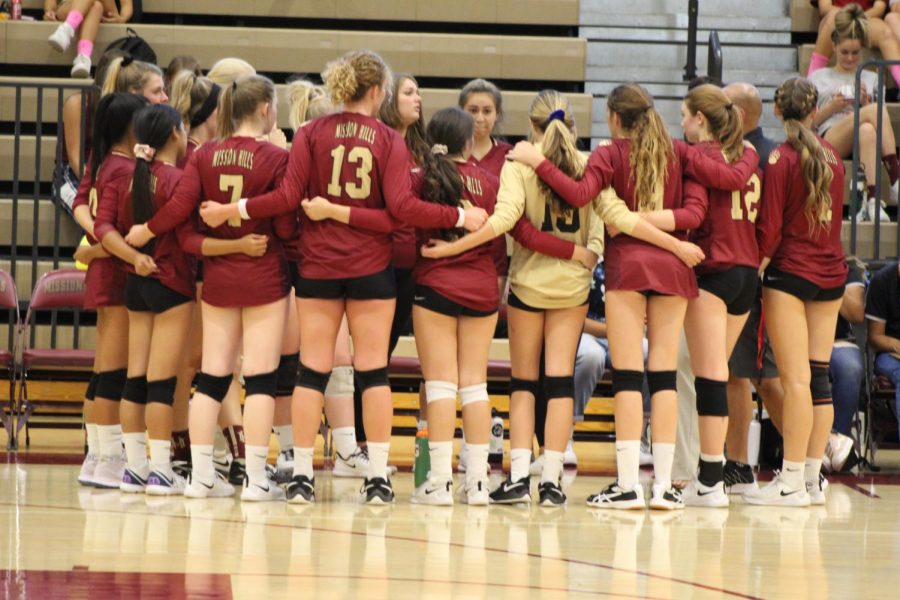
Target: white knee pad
[
  {"x": 474, "y": 393},
  {"x": 440, "y": 390},
  {"x": 340, "y": 383}
]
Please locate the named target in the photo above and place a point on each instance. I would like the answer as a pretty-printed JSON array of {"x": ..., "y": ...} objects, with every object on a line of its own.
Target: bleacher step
[
  {"x": 723, "y": 8},
  {"x": 679, "y": 35}
]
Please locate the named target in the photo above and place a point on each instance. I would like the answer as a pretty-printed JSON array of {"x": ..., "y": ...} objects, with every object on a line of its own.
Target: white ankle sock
[
  {"x": 628, "y": 463},
  {"x": 663, "y": 457},
  {"x": 441, "y": 454},
  {"x": 303, "y": 462},
  {"x": 202, "y": 469},
  {"x": 110, "y": 437},
  {"x": 344, "y": 440},
  {"x": 553, "y": 464},
  {"x": 136, "y": 451},
  {"x": 378, "y": 457},
  {"x": 476, "y": 461},
  {"x": 792, "y": 474},
  {"x": 256, "y": 464},
  {"x": 160, "y": 455},
  {"x": 520, "y": 461},
  {"x": 811, "y": 470},
  {"x": 285, "y": 435},
  {"x": 93, "y": 439}
]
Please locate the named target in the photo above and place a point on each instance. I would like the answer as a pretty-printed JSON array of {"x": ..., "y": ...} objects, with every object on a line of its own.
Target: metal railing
[{"x": 690, "y": 68}]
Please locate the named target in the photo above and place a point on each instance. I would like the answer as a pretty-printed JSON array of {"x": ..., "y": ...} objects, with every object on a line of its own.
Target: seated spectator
[
  {"x": 847, "y": 368},
  {"x": 834, "y": 120},
  {"x": 87, "y": 15},
  {"x": 183, "y": 62},
  {"x": 883, "y": 317}
]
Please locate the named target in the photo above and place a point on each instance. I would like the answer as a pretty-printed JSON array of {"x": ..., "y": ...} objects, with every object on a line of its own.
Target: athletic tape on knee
[
  {"x": 311, "y": 379},
  {"x": 661, "y": 381},
  {"x": 340, "y": 383},
  {"x": 288, "y": 365},
  {"x": 162, "y": 391},
  {"x": 559, "y": 387},
  {"x": 110, "y": 384},
  {"x": 473, "y": 393},
  {"x": 214, "y": 386},
  {"x": 523, "y": 385},
  {"x": 372, "y": 378},
  {"x": 820, "y": 382},
  {"x": 624, "y": 380},
  {"x": 91, "y": 391},
  {"x": 440, "y": 390},
  {"x": 135, "y": 390},
  {"x": 261, "y": 384},
  {"x": 712, "y": 397}
]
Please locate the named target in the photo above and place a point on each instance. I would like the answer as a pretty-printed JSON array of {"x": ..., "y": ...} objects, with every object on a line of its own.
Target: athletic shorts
[
  {"x": 427, "y": 297},
  {"x": 378, "y": 286},
  {"x": 735, "y": 286},
  {"x": 751, "y": 347},
  {"x": 513, "y": 300},
  {"x": 147, "y": 294},
  {"x": 801, "y": 288}
]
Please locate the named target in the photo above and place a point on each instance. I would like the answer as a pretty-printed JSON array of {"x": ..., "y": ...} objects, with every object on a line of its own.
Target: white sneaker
[
  {"x": 355, "y": 465},
  {"x": 253, "y": 492},
  {"x": 134, "y": 481},
  {"x": 537, "y": 466},
  {"x": 81, "y": 67},
  {"x": 86, "y": 475},
  {"x": 569, "y": 458},
  {"x": 434, "y": 493},
  {"x": 666, "y": 498},
  {"x": 838, "y": 451},
  {"x": 284, "y": 465},
  {"x": 697, "y": 494},
  {"x": 60, "y": 39},
  {"x": 162, "y": 483},
  {"x": 475, "y": 493},
  {"x": 646, "y": 457},
  {"x": 109, "y": 472},
  {"x": 816, "y": 491},
  {"x": 222, "y": 462},
  {"x": 778, "y": 493},
  {"x": 882, "y": 213},
  {"x": 219, "y": 488},
  {"x": 615, "y": 497}
]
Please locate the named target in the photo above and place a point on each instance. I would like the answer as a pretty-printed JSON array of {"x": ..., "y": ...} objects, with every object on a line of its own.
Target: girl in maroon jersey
[
  {"x": 355, "y": 160},
  {"x": 244, "y": 299},
  {"x": 645, "y": 168},
  {"x": 803, "y": 283}
]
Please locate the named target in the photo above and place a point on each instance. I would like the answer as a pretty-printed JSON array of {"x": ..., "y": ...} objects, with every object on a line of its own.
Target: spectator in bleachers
[
  {"x": 883, "y": 317},
  {"x": 86, "y": 15},
  {"x": 834, "y": 121},
  {"x": 183, "y": 62}
]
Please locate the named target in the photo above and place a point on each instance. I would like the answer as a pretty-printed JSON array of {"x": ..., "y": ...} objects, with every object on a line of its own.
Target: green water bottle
[{"x": 422, "y": 464}]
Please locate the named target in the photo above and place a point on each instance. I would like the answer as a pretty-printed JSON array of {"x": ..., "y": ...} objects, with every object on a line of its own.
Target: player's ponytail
[
  {"x": 651, "y": 146},
  {"x": 153, "y": 128},
  {"x": 449, "y": 130},
  {"x": 111, "y": 123},
  {"x": 348, "y": 78},
  {"x": 551, "y": 113},
  {"x": 308, "y": 102},
  {"x": 723, "y": 117},
  {"x": 194, "y": 97},
  {"x": 239, "y": 101},
  {"x": 125, "y": 74}
]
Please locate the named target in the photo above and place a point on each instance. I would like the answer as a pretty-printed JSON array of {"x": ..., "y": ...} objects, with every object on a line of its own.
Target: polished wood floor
[{"x": 59, "y": 540}]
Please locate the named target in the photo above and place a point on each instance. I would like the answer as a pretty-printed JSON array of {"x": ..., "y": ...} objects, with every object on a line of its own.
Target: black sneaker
[
  {"x": 377, "y": 491},
  {"x": 739, "y": 478},
  {"x": 551, "y": 494},
  {"x": 615, "y": 497},
  {"x": 513, "y": 492},
  {"x": 182, "y": 468},
  {"x": 301, "y": 490},
  {"x": 237, "y": 472}
]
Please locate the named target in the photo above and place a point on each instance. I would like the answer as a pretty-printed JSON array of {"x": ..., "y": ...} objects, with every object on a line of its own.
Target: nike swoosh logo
[
  {"x": 166, "y": 480},
  {"x": 265, "y": 489},
  {"x": 207, "y": 486},
  {"x": 699, "y": 493},
  {"x": 418, "y": 298},
  {"x": 429, "y": 492},
  {"x": 789, "y": 493}
]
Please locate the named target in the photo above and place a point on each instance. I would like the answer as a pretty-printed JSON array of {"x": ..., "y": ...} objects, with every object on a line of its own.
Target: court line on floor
[{"x": 502, "y": 551}]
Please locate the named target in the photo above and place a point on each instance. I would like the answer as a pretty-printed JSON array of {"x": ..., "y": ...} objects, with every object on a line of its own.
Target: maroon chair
[
  {"x": 62, "y": 289},
  {"x": 9, "y": 300}
]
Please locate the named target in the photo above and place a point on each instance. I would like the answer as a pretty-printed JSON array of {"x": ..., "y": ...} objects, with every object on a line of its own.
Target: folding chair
[
  {"x": 62, "y": 289},
  {"x": 9, "y": 300},
  {"x": 881, "y": 423}
]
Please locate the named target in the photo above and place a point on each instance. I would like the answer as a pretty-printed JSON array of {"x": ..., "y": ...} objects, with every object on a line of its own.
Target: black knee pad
[
  {"x": 214, "y": 386},
  {"x": 712, "y": 397},
  {"x": 559, "y": 387},
  {"x": 91, "y": 391},
  {"x": 110, "y": 384},
  {"x": 262, "y": 384},
  {"x": 162, "y": 391},
  {"x": 820, "y": 383},
  {"x": 627, "y": 381},
  {"x": 372, "y": 378},
  {"x": 523, "y": 385},
  {"x": 135, "y": 390},
  {"x": 661, "y": 381},
  {"x": 312, "y": 379},
  {"x": 287, "y": 374}
]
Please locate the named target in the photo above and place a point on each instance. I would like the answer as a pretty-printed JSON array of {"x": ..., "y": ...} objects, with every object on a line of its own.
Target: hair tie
[
  {"x": 127, "y": 60},
  {"x": 234, "y": 85},
  {"x": 557, "y": 115},
  {"x": 209, "y": 106},
  {"x": 144, "y": 152},
  {"x": 439, "y": 150},
  {"x": 729, "y": 106}
]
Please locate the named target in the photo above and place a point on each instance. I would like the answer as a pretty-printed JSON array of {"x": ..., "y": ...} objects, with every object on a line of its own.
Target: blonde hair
[
  {"x": 183, "y": 62},
  {"x": 189, "y": 92},
  {"x": 308, "y": 102},
  {"x": 125, "y": 74},
  {"x": 796, "y": 99},
  {"x": 851, "y": 23},
  {"x": 348, "y": 78},
  {"x": 551, "y": 113},
  {"x": 725, "y": 123},
  {"x": 390, "y": 116},
  {"x": 228, "y": 70},
  {"x": 240, "y": 100},
  {"x": 651, "y": 146}
]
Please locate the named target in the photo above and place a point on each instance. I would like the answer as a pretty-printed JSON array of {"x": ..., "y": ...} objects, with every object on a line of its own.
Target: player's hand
[
  {"x": 690, "y": 254},
  {"x": 139, "y": 235},
  {"x": 612, "y": 230},
  {"x": 436, "y": 249},
  {"x": 317, "y": 209},
  {"x": 526, "y": 153},
  {"x": 83, "y": 255},
  {"x": 277, "y": 137},
  {"x": 585, "y": 257},
  {"x": 475, "y": 218},
  {"x": 254, "y": 244},
  {"x": 213, "y": 213},
  {"x": 144, "y": 265}
]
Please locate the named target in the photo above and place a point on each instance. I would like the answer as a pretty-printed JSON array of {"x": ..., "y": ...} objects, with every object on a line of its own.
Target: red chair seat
[
  {"x": 58, "y": 358},
  {"x": 499, "y": 369},
  {"x": 6, "y": 358},
  {"x": 405, "y": 365},
  {"x": 883, "y": 384}
]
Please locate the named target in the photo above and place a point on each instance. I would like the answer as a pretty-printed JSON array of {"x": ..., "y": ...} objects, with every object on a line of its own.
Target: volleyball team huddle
[{"x": 299, "y": 247}]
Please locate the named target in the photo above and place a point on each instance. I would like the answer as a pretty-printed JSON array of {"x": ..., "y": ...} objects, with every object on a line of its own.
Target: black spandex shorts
[
  {"x": 427, "y": 297},
  {"x": 147, "y": 294},
  {"x": 513, "y": 300},
  {"x": 378, "y": 286},
  {"x": 801, "y": 288},
  {"x": 735, "y": 286}
]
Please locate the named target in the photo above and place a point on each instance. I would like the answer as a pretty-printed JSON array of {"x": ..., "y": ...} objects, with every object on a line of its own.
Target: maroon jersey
[
  {"x": 188, "y": 151},
  {"x": 225, "y": 172},
  {"x": 404, "y": 236},
  {"x": 493, "y": 162},
  {"x": 105, "y": 280},
  {"x": 784, "y": 232},
  {"x": 728, "y": 233},
  {"x": 357, "y": 161}
]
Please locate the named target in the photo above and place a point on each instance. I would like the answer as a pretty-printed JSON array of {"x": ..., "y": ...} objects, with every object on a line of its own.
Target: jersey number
[
  {"x": 563, "y": 224},
  {"x": 750, "y": 195},
  {"x": 362, "y": 158},
  {"x": 234, "y": 184}
]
